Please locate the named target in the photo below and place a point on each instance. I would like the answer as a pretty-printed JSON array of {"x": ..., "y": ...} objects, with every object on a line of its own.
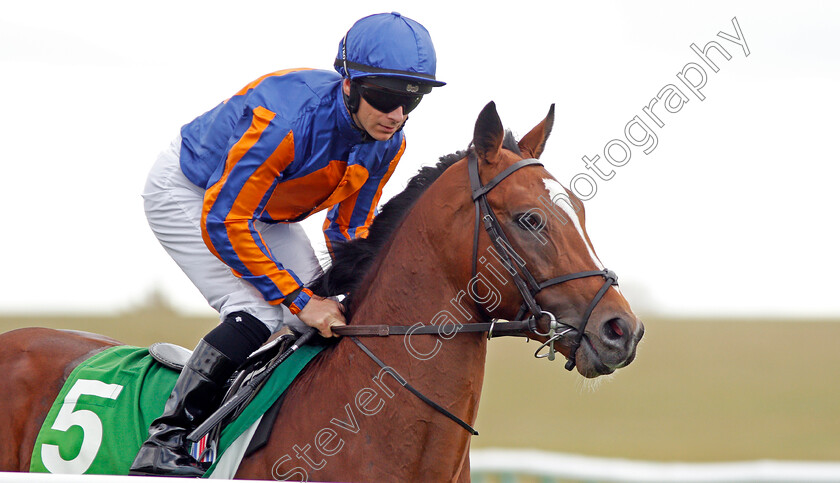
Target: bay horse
[{"x": 452, "y": 250}]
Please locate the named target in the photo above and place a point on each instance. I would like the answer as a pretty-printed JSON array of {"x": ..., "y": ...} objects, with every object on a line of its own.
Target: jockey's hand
[{"x": 322, "y": 314}]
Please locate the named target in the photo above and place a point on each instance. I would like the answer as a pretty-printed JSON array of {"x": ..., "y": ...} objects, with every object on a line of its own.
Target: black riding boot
[{"x": 196, "y": 395}]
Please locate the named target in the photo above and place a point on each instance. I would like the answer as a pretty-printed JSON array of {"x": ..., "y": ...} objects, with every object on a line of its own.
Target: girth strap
[{"x": 413, "y": 390}]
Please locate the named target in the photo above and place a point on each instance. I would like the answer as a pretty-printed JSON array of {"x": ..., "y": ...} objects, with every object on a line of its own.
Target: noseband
[{"x": 525, "y": 282}]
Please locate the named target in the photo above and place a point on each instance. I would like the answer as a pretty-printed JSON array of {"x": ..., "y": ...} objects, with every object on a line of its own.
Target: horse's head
[
  {"x": 541, "y": 226},
  {"x": 497, "y": 226}
]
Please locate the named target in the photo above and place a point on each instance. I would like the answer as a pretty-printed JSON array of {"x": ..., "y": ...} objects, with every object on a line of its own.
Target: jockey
[{"x": 225, "y": 198}]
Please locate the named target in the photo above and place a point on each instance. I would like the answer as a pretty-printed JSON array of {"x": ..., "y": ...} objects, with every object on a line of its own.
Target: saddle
[{"x": 175, "y": 357}]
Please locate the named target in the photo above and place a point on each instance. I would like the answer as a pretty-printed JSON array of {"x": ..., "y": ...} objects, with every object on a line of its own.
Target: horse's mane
[{"x": 351, "y": 260}]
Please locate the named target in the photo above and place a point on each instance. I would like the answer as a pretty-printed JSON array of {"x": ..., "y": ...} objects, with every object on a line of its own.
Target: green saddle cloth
[{"x": 102, "y": 414}]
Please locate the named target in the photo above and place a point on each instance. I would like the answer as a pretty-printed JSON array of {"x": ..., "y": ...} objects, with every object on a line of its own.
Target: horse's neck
[
  {"x": 383, "y": 431},
  {"x": 410, "y": 288},
  {"x": 407, "y": 288}
]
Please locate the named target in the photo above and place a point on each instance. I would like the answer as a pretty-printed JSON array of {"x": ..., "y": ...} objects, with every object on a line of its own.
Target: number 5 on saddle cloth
[{"x": 102, "y": 414}]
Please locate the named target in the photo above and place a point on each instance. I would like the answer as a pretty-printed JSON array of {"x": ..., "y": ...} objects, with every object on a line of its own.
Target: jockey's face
[{"x": 379, "y": 125}]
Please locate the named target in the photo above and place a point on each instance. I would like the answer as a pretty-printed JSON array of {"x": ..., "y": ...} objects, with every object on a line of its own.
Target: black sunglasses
[{"x": 386, "y": 101}]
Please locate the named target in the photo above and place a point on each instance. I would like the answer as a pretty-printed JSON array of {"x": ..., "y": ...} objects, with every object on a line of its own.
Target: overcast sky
[{"x": 732, "y": 212}]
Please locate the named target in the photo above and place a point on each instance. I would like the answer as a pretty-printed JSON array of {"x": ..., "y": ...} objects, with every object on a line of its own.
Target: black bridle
[
  {"x": 523, "y": 279},
  {"x": 525, "y": 282}
]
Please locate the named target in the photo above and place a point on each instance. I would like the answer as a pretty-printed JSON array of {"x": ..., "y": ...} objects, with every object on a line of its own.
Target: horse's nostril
[{"x": 613, "y": 329}]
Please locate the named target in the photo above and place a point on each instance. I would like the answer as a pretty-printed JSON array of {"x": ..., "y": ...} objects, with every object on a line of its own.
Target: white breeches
[{"x": 173, "y": 208}]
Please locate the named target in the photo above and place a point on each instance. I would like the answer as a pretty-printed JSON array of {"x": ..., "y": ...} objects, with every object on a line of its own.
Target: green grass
[{"x": 699, "y": 390}]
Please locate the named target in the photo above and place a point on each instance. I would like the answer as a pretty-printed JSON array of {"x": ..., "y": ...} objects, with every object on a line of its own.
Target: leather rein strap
[
  {"x": 413, "y": 390},
  {"x": 523, "y": 279},
  {"x": 493, "y": 329}
]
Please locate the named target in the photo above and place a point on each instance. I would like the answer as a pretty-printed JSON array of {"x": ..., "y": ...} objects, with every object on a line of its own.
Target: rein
[{"x": 523, "y": 280}]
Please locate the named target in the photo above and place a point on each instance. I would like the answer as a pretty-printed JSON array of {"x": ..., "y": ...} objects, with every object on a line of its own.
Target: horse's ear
[
  {"x": 533, "y": 143},
  {"x": 488, "y": 134}
]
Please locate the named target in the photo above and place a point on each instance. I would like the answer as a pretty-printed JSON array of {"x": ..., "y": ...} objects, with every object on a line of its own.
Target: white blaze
[{"x": 560, "y": 198}]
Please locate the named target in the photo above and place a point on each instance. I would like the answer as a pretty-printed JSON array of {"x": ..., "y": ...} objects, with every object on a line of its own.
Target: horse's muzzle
[{"x": 609, "y": 345}]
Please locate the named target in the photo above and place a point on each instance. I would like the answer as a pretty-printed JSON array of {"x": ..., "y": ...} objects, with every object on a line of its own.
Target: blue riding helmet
[{"x": 391, "y": 51}]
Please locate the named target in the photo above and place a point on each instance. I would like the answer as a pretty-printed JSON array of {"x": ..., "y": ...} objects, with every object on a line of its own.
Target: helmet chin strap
[{"x": 354, "y": 99}]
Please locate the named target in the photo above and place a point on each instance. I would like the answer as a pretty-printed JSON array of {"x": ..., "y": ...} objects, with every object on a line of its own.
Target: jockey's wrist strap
[
  {"x": 299, "y": 301},
  {"x": 290, "y": 299}
]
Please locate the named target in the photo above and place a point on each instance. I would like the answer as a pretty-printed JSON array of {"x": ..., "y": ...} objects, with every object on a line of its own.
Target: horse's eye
[{"x": 530, "y": 221}]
